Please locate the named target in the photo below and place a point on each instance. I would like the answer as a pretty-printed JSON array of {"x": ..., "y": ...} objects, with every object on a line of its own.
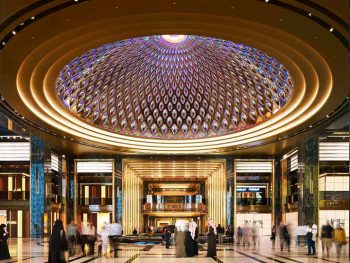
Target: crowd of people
[
  {"x": 248, "y": 234},
  {"x": 81, "y": 239}
]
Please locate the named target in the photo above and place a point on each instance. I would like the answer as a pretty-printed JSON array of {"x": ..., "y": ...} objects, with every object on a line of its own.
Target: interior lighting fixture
[
  {"x": 331, "y": 29},
  {"x": 174, "y": 39}
]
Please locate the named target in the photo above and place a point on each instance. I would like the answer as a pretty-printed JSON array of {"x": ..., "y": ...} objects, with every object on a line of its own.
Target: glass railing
[
  {"x": 183, "y": 207},
  {"x": 95, "y": 201}
]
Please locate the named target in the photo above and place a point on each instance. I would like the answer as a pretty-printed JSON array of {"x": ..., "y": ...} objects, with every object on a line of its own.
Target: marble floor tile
[{"x": 36, "y": 250}]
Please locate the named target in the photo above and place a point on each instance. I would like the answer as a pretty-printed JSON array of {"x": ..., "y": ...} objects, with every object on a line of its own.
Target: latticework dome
[{"x": 174, "y": 87}]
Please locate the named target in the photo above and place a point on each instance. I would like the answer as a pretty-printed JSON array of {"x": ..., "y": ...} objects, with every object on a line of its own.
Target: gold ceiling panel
[{"x": 317, "y": 71}]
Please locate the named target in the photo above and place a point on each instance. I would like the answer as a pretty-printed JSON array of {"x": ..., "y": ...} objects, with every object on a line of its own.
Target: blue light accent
[{"x": 37, "y": 187}]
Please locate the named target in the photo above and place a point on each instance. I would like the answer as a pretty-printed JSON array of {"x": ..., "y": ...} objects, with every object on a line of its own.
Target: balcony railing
[
  {"x": 253, "y": 201},
  {"x": 177, "y": 207},
  {"x": 95, "y": 201},
  {"x": 17, "y": 195}
]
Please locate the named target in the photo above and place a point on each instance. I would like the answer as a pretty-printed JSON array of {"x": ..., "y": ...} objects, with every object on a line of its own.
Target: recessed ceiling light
[
  {"x": 331, "y": 29},
  {"x": 14, "y": 32},
  {"x": 266, "y": 1},
  {"x": 309, "y": 14},
  {"x": 32, "y": 18}
]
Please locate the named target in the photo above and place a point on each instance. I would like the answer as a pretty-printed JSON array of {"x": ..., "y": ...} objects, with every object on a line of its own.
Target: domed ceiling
[{"x": 174, "y": 87}]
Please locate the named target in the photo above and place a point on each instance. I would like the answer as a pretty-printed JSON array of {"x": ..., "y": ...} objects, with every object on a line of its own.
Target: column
[
  {"x": 37, "y": 187},
  {"x": 308, "y": 182}
]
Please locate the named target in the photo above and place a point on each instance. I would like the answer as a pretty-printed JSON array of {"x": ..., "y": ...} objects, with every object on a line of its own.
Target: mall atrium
[{"x": 150, "y": 113}]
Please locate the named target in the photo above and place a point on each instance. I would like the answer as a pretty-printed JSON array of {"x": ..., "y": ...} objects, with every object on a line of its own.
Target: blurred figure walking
[
  {"x": 339, "y": 239},
  {"x": 273, "y": 236},
  {"x": 255, "y": 234},
  {"x": 327, "y": 234},
  {"x": 246, "y": 234},
  {"x": 239, "y": 235},
  {"x": 284, "y": 236},
  {"x": 220, "y": 230},
  {"x": 72, "y": 238}
]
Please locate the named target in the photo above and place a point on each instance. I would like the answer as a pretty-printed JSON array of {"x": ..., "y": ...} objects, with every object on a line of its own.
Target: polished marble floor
[{"x": 36, "y": 250}]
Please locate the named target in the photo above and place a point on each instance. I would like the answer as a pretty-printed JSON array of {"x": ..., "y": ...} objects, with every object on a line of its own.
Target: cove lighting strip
[
  {"x": 253, "y": 167},
  {"x": 14, "y": 151},
  {"x": 54, "y": 162},
  {"x": 334, "y": 151},
  {"x": 94, "y": 167}
]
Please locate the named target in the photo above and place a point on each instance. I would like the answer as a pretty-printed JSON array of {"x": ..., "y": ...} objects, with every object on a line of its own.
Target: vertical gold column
[
  {"x": 131, "y": 199},
  {"x": 113, "y": 191},
  {"x": 273, "y": 194},
  {"x": 235, "y": 196},
  {"x": 75, "y": 201},
  {"x": 216, "y": 184}
]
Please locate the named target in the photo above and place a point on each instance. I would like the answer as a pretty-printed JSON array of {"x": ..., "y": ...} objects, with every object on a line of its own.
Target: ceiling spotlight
[
  {"x": 310, "y": 126},
  {"x": 13, "y": 32},
  {"x": 76, "y": 0},
  {"x": 309, "y": 14},
  {"x": 32, "y": 18},
  {"x": 266, "y": 1},
  {"x": 331, "y": 29},
  {"x": 327, "y": 116},
  {"x": 3, "y": 43}
]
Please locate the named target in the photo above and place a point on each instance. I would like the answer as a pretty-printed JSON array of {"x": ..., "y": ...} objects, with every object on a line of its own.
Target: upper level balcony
[{"x": 14, "y": 195}]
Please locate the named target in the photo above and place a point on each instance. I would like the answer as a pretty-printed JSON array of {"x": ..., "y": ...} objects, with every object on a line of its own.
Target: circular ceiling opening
[{"x": 174, "y": 87}]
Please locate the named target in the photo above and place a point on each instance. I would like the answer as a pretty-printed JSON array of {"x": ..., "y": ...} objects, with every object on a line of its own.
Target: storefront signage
[
  {"x": 94, "y": 208},
  {"x": 249, "y": 189}
]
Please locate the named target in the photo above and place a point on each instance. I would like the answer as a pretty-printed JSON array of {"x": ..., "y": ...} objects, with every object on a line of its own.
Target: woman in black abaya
[
  {"x": 211, "y": 240},
  {"x": 189, "y": 244},
  {"x": 58, "y": 244},
  {"x": 4, "y": 249}
]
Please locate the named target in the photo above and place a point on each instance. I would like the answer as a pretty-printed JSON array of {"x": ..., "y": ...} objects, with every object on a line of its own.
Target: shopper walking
[
  {"x": 339, "y": 239},
  {"x": 255, "y": 234},
  {"x": 273, "y": 236},
  {"x": 246, "y": 234},
  {"x": 180, "y": 239},
  {"x": 327, "y": 234},
  {"x": 4, "y": 249},
  {"x": 239, "y": 235},
  {"x": 167, "y": 237},
  {"x": 58, "y": 244},
  {"x": 211, "y": 240},
  {"x": 92, "y": 239},
  {"x": 311, "y": 239},
  {"x": 220, "y": 230},
  {"x": 284, "y": 236},
  {"x": 72, "y": 238}
]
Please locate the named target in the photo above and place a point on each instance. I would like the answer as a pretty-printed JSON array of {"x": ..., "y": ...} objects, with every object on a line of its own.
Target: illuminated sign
[
  {"x": 94, "y": 208},
  {"x": 249, "y": 189}
]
